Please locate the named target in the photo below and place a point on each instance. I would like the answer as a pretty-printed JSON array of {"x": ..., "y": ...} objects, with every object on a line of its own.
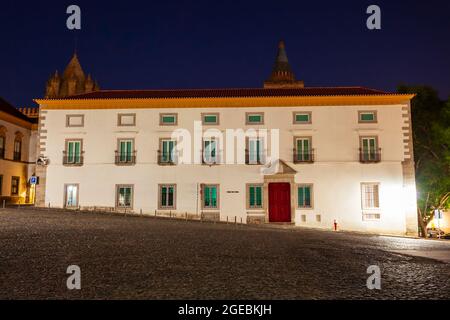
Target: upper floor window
[
  {"x": 126, "y": 119},
  {"x": 302, "y": 150},
  {"x": 367, "y": 116},
  {"x": 302, "y": 117},
  {"x": 210, "y": 151},
  {"x": 125, "y": 153},
  {"x": 73, "y": 155},
  {"x": 369, "y": 150},
  {"x": 210, "y": 118},
  {"x": 75, "y": 120},
  {"x": 168, "y": 119},
  {"x": 18, "y": 147},
  {"x": 254, "y": 118},
  {"x": 255, "y": 151},
  {"x": 166, "y": 153},
  {"x": 2, "y": 142}
]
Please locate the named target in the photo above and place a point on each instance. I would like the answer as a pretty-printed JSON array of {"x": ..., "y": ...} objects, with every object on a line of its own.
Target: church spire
[{"x": 282, "y": 75}]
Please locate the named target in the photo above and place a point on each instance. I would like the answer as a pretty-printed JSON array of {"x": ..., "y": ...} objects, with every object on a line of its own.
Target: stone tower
[
  {"x": 282, "y": 75},
  {"x": 73, "y": 81}
]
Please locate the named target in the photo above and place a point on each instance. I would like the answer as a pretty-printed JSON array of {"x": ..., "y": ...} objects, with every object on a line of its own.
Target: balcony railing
[
  {"x": 167, "y": 158},
  {"x": 369, "y": 156},
  {"x": 2, "y": 153},
  {"x": 256, "y": 159},
  {"x": 304, "y": 156},
  {"x": 73, "y": 159},
  {"x": 125, "y": 158},
  {"x": 17, "y": 156},
  {"x": 209, "y": 159}
]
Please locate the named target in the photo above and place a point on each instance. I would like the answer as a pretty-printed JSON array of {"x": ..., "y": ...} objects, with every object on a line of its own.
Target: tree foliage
[{"x": 431, "y": 137}]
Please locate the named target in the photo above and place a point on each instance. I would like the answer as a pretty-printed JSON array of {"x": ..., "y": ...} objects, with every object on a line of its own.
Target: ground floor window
[
  {"x": 124, "y": 196},
  {"x": 210, "y": 196},
  {"x": 254, "y": 196},
  {"x": 71, "y": 196},
  {"x": 304, "y": 196},
  {"x": 1, "y": 184},
  {"x": 167, "y": 194},
  {"x": 15, "y": 181},
  {"x": 370, "y": 196}
]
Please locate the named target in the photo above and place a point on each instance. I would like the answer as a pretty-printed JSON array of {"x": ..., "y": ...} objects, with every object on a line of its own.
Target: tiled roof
[
  {"x": 228, "y": 93},
  {"x": 8, "y": 108}
]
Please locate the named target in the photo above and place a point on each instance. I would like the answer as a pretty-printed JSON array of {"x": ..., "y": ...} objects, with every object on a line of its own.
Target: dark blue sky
[{"x": 202, "y": 44}]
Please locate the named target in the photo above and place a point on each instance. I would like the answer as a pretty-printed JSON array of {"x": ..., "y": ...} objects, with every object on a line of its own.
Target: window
[
  {"x": 302, "y": 150},
  {"x": 168, "y": 119},
  {"x": 18, "y": 149},
  {"x": 15, "y": 186},
  {"x": 167, "y": 151},
  {"x": 255, "y": 151},
  {"x": 254, "y": 196},
  {"x": 210, "y": 199},
  {"x": 2, "y": 146},
  {"x": 367, "y": 116},
  {"x": 210, "y": 118},
  {"x": 254, "y": 118},
  {"x": 73, "y": 152},
  {"x": 210, "y": 151},
  {"x": 370, "y": 196},
  {"x": 369, "y": 151},
  {"x": 302, "y": 117},
  {"x": 126, "y": 119},
  {"x": 75, "y": 120},
  {"x": 126, "y": 153},
  {"x": 124, "y": 196},
  {"x": 1, "y": 184},
  {"x": 304, "y": 196},
  {"x": 167, "y": 193},
  {"x": 71, "y": 196}
]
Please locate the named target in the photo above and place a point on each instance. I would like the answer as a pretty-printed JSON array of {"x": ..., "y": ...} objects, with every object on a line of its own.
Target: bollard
[
  {"x": 235, "y": 220},
  {"x": 227, "y": 219},
  {"x": 140, "y": 211},
  {"x": 185, "y": 216},
  {"x": 4, "y": 204},
  {"x": 155, "y": 213}
]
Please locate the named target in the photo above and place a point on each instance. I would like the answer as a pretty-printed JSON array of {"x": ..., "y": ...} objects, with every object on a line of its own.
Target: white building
[{"x": 345, "y": 154}]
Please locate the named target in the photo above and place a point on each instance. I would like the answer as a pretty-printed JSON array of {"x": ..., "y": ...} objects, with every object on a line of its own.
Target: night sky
[{"x": 210, "y": 44}]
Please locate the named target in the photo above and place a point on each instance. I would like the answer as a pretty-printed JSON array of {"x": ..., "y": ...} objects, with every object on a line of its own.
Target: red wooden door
[{"x": 279, "y": 202}]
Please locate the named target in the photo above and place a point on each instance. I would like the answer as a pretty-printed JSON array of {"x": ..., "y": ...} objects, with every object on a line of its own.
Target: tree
[{"x": 431, "y": 137}]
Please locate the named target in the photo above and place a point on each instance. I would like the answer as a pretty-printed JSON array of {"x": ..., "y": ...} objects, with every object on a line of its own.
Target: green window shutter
[
  {"x": 170, "y": 197},
  {"x": 70, "y": 152},
  {"x": 214, "y": 197},
  {"x": 259, "y": 196},
  {"x": 367, "y": 116},
  {"x": 168, "y": 119},
  {"x": 165, "y": 151},
  {"x": 210, "y": 119},
  {"x": 255, "y": 118},
  {"x": 163, "y": 196},
  {"x": 301, "y": 202},
  {"x": 77, "y": 151},
  {"x": 206, "y": 197},
  {"x": 302, "y": 117},
  {"x": 307, "y": 197},
  {"x": 252, "y": 196}
]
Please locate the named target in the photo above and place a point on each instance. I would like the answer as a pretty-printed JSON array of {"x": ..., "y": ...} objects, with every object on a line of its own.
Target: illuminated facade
[{"x": 329, "y": 155}]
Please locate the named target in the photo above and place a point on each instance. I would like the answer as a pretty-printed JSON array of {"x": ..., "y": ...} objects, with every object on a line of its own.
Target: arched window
[
  {"x": 18, "y": 147},
  {"x": 2, "y": 141}
]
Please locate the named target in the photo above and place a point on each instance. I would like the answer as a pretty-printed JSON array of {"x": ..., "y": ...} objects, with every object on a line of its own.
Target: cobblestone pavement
[{"x": 148, "y": 258}]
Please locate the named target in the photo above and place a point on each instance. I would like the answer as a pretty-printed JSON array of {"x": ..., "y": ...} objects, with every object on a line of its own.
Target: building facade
[
  {"x": 288, "y": 154},
  {"x": 18, "y": 139}
]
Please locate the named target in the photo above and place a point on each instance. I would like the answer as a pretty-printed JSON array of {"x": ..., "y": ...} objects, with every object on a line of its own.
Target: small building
[
  {"x": 18, "y": 140},
  {"x": 284, "y": 153}
]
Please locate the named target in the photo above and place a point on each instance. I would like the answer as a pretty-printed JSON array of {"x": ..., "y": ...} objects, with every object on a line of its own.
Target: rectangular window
[
  {"x": 302, "y": 117},
  {"x": 1, "y": 184},
  {"x": 75, "y": 120},
  {"x": 254, "y": 118},
  {"x": 2, "y": 147},
  {"x": 167, "y": 151},
  {"x": 126, "y": 119},
  {"x": 15, "y": 181},
  {"x": 73, "y": 152},
  {"x": 370, "y": 196},
  {"x": 255, "y": 149},
  {"x": 369, "y": 149},
  {"x": 71, "y": 196},
  {"x": 210, "y": 195},
  {"x": 126, "y": 151},
  {"x": 167, "y": 194},
  {"x": 210, "y": 151},
  {"x": 367, "y": 116},
  {"x": 168, "y": 119},
  {"x": 210, "y": 118},
  {"x": 17, "y": 150},
  {"x": 303, "y": 151},
  {"x": 124, "y": 196},
  {"x": 304, "y": 196},
  {"x": 254, "y": 196}
]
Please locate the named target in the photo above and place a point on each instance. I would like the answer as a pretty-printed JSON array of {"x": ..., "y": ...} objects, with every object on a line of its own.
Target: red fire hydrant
[{"x": 335, "y": 225}]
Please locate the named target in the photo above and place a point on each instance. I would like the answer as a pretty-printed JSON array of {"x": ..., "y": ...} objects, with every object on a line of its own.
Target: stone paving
[{"x": 149, "y": 258}]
